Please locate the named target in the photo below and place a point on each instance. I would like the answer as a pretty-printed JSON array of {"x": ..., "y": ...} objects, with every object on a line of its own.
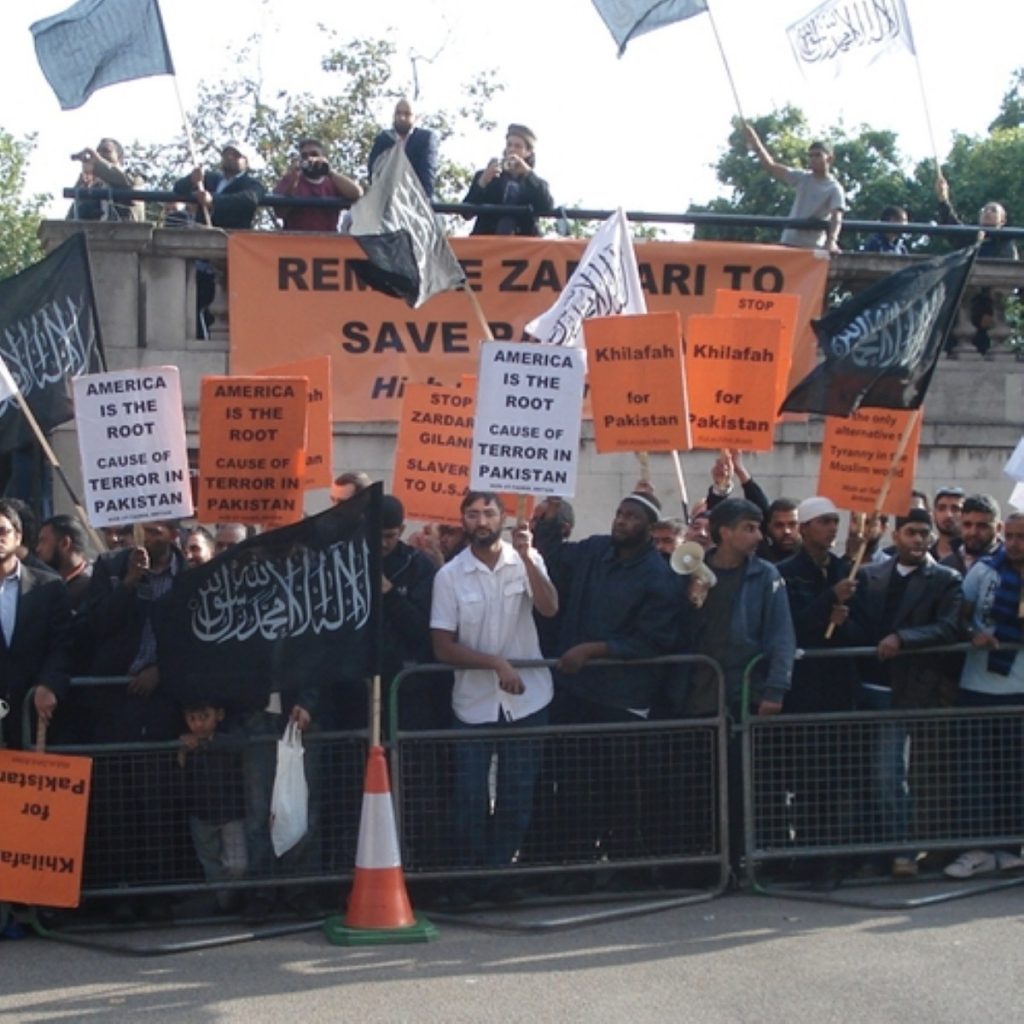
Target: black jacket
[
  {"x": 533, "y": 192},
  {"x": 235, "y": 205}
]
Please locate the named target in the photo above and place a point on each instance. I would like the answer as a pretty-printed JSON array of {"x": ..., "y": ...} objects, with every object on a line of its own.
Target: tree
[
  {"x": 365, "y": 88},
  {"x": 19, "y": 214}
]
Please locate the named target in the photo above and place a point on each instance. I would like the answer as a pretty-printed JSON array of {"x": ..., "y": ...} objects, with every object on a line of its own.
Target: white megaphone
[{"x": 688, "y": 560}]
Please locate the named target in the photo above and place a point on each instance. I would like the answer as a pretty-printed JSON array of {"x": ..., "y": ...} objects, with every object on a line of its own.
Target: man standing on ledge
[
  {"x": 818, "y": 195},
  {"x": 421, "y": 146}
]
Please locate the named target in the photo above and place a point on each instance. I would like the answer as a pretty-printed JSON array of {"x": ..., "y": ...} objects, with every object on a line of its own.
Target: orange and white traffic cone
[{"x": 378, "y": 908}]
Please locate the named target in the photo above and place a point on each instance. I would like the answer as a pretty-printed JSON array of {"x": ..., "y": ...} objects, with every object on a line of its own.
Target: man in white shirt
[{"x": 481, "y": 619}]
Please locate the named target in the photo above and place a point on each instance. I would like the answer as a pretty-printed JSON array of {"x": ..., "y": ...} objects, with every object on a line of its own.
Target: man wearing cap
[
  {"x": 904, "y": 604},
  {"x": 420, "y": 144},
  {"x": 946, "y": 512},
  {"x": 230, "y": 195},
  {"x": 818, "y": 587},
  {"x": 511, "y": 181}
]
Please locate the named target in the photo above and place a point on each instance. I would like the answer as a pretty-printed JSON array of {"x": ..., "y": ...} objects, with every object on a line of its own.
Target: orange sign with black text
[
  {"x": 252, "y": 459},
  {"x": 297, "y": 293},
  {"x": 637, "y": 383},
  {"x": 44, "y": 800},
  {"x": 857, "y": 453}
]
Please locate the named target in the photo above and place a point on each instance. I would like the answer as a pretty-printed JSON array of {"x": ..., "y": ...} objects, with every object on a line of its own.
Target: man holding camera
[
  {"x": 511, "y": 181},
  {"x": 311, "y": 177},
  {"x": 101, "y": 171}
]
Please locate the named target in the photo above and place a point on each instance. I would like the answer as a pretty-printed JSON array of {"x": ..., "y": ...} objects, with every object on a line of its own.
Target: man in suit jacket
[
  {"x": 421, "y": 145},
  {"x": 231, "y": 195},
  {"x": 35, "y": 621}
]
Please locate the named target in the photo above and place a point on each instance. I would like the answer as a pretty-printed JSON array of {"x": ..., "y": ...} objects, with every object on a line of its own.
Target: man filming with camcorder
[
  {"x": 310, "y": 176},
  {"x": 101, "y": 171}
]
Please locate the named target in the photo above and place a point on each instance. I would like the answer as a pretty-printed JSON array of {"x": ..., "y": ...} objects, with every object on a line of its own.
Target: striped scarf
[{"x": 1005, "y": 612}]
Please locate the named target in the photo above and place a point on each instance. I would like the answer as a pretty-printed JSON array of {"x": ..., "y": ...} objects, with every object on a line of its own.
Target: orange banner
[
  {"x": 730, "y": 372},
  {"x": 297, "y": 293},
  {"x": 43, "y": 808},
  {"x": 637, "y": 383},
  {"x": 856, "y": 454},
  {"x": 251, "y": 460},
  {"x": 319, "y": 421}
]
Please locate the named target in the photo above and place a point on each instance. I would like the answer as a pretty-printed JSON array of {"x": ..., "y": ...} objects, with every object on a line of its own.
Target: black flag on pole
[
  {"x": 294, "y": 609},
  {"x": 408, "y": 254},
  {"x": 49, "y": 334},
  {"x": 881, "y": 346}
]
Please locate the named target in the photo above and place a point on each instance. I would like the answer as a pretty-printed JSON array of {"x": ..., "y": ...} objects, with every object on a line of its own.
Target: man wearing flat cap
[{"x": 511, "y": 181}]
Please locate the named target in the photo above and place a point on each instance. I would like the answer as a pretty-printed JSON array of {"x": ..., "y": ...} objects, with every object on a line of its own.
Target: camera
[
  {"x": 315, "y": 168},
  {"x": 81, "y": 155},
  {"x": 507, "y": 164}
]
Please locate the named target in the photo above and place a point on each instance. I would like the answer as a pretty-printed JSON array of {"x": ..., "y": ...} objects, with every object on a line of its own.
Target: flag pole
[
  {"x": 725, "y": 62},
  {"x": 485, "y": 327},
  {"x": 680, "y": 480},
  {"x": 189, "y": 139},
  {"x": 883, "y": 494},
  {"x": 927, "y": 114}
]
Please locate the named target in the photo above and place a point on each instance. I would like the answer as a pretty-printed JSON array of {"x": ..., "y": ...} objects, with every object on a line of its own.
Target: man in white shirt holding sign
[{"x": 481, "y": 618}]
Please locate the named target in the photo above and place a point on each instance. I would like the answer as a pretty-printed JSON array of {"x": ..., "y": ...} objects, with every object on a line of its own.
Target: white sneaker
[
  {"x": 1007, "y": 861},
  {"x": 974, "y": 862}
]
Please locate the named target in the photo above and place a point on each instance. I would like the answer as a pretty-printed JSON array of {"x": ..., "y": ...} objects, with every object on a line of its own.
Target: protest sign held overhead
[
  {"x": 131, "y": 437},
  {"x": 637, "y": 383},
  {"x": 606, "y": 282},
  {"x": 44, "y": 800},
  {"x": 292, "y": 609},
  {"x": 319, "y": 422},
  {"x": 527, "y": 430},
  {"x": 857, "y": 455},
  {"x": 434, "y": 451},
  {"x": 251, "y": 461},
  {"x": 731, "y": 378},
  {"x": 881, "y": 345},
  {"x": 280, "y": 281},
  {"x": 49, "y": 334}
]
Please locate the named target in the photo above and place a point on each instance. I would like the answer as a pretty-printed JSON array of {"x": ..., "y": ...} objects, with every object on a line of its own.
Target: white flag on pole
[
  {"x": 849, "y": 33},
  {"x": 605, "y": 283}
]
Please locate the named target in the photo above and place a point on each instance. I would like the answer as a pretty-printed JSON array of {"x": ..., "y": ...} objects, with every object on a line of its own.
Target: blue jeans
[
  {"x": 889, "y": 818},
  {"x": 487, "y": 836}
]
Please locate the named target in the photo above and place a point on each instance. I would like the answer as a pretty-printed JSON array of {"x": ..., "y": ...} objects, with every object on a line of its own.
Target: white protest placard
[
  {"x": 1017, "y": 497},
  {"x": 1014, "y": 468},
  {"x": 526, "y": 435},
  {"x": 131, "y": 436}
]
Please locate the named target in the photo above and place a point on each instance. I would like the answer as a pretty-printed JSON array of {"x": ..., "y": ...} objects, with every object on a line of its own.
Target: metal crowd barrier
[{"x": 822, "y": 788}]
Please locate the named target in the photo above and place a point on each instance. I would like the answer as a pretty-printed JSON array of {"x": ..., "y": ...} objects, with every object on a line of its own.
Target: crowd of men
[{"x": 594, "y": 607}]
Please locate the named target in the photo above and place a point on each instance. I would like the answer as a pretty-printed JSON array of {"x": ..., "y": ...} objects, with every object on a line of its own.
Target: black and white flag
[
  {"x": 49, "y": 334},
  {"x": 408, "y": 254},
  {"x": 881, "y": 346},
  {"x": 288, "y": 610}
]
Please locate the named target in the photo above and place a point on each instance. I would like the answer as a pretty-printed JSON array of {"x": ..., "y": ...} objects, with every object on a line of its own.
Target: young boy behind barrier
[{"x": 212, "y": 777}]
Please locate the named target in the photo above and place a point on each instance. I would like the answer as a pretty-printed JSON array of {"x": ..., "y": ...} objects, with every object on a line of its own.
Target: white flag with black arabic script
[{"x": 606, "y": 282}]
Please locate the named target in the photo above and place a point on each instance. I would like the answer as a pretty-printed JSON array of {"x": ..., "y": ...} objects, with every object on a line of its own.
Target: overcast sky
[{"x": 642, "y": 131}]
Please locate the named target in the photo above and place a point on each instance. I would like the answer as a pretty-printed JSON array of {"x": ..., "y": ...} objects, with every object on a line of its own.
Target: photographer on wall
[
  {"x": 310, "y": 176},
  {"x": 511, "y": 181},
  {"x": 101, "y": 171}
]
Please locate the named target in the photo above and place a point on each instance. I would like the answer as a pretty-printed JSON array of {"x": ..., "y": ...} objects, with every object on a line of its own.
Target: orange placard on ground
[
  {"x": 784, "y": 308},
  {"x": 252, "y": 433},
  {"x": 731, "y": 381},
  {"x": 435, "y": 446},
  {"x": 44, "y": 799},
  {"x": 319, "y": 419},
  {"x": 856, "y": 454},
  {"x": 637, "y": 383},
  {"x": 299, "y": 293}
]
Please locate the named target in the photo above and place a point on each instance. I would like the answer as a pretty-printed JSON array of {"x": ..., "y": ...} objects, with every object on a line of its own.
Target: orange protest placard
[
  {"x": 637, "y": 383},
  {"x": 299, "y": 291},
  {"x": 784, "y": 308},
  {"x": 432, "y": 457},
  {"x": 856, "y": 453},
  {"x": 44, "y": 799},
  {"x": 251, "y": 458},
  {"x": 319, "y": 420},
  {"x": 732, "y": 381}
]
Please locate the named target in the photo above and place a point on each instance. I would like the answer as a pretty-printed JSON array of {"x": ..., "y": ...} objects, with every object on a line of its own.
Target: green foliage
[
  {"x": 364, "y": 89},
  {"x": 1011, "y": 110},
  {"x": 19, "y": 214}
]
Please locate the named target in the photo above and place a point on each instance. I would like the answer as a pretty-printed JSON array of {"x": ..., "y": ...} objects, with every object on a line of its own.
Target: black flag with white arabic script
[
  {"x": 881, "y": 346},
  {"x": 293, "y": 610},
  {"x": 49, "y": 333}
]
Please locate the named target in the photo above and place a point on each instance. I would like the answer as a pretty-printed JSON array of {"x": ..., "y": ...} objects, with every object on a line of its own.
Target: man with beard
[
  {"x": 311, "y": 177},
  {"x": 481, "y": 618},
  {"x": 782, "y": 532},
  {"x": 421, "y": 146},
  {"x": 230, "y": 195},
  {"x": 62, "y": 545},
  {"x": 980, "y": 532},
  {"x": 946, "y": 511}
]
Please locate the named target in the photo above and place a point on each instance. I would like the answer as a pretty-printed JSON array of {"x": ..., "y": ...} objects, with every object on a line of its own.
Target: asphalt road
[{"x": 736, "y": 959}]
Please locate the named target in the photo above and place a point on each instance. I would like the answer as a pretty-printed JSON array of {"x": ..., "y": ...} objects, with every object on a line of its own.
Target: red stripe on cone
[{"x": 379, "y": 898}]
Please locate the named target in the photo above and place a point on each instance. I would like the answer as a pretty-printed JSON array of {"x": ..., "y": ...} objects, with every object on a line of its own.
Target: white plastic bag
[{"x": 289, "y": 806}]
